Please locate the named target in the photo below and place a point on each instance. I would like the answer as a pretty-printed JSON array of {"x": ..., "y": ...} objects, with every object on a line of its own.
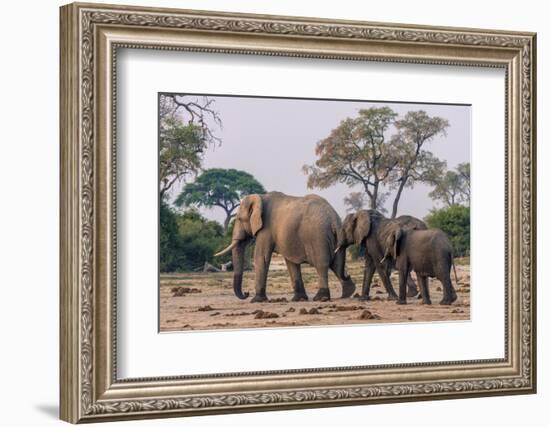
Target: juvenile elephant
[
  {"x": 426, "y": 252},
  {"x": 370, "y": 228},
  {"x": 301, "y": 229}
]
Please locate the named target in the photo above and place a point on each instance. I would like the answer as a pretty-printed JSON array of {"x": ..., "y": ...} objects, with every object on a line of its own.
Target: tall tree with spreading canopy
[
  {"x": 356, "y": 153},
  {"x": 185, "y": 132},
  {"x": 453, "y": 188},
  {"x": 223, "y": 188},
  {"x": 415, "y": 163}
]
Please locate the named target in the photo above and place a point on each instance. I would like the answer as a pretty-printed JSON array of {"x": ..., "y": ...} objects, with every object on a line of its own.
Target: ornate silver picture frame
[{"x": 91, "y": 36}]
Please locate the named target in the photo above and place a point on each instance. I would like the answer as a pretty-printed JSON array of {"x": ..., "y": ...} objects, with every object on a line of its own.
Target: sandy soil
[{"x": 198, "y": 301}]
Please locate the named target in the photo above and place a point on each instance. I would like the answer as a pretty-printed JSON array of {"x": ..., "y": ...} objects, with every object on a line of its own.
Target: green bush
[
  {"x": 455, "y": 221},
  {"x": 170, "y": 253},
  {"x": 187, "y": 240},
  {"x": 200, "y": 239}
]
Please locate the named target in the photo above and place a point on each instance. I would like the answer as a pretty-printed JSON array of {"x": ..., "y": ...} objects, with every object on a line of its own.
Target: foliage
[
  {"x": 416, "y": 163},
  {"x": 455, "y": 221},
  {"x": 184, "y": 135},
  {"x": 223, "y": 188},
  {"x": 200, "y": 238},
  {"x": 354, "y": 201},
  {"x": 181, "y": 149},
  {"x": 357, "y": 152},
  {"x": 170, "y": 249},
  {"x": 187, "y": 240},
  {"x": 453, "y": 188}
]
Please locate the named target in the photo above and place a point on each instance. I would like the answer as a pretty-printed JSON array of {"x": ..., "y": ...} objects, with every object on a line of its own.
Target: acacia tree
[
  {"x": 223, "y": 188},
  {"x": 185, "y": 132},
  {"x": 356, "y": 153},
  {"x": 415, "y": 163},
  {"x": 454, "y": 187}
]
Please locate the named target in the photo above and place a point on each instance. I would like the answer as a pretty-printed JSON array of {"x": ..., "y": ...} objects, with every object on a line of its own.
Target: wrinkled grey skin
[
  {"x": 426, "y": 252},
  {"x": 301, "y": 229},
  {"x": 369, "y": 228}
]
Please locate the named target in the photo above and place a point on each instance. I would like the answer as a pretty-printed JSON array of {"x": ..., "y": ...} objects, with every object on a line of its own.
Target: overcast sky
[{"x": 272, "y": 138}]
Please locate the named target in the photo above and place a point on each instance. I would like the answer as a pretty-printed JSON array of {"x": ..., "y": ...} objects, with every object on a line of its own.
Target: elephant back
[{"x": 408, "y": 222}]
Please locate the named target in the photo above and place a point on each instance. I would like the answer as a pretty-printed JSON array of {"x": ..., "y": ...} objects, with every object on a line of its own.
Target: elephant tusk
[
  {"x": 337, "y": 249},
  {"x": 383, "y": 259},
  {"x": 229, "y": 248}
]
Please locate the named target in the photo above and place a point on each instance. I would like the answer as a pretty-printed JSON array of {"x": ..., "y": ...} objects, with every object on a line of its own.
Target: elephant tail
[{"x": 454, "y": 269}]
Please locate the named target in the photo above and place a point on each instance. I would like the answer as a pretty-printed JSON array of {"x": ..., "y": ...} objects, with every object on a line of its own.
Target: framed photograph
[{"x": 266, "y": 213}]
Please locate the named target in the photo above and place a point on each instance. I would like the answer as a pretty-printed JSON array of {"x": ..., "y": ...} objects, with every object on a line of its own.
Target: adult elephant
[
  {"x": 301, "y": 229},
  {"x": 370, "y": 229}
]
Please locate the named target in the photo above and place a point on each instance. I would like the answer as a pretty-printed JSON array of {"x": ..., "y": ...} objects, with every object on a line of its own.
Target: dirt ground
[{"x": 199, "y": 301}]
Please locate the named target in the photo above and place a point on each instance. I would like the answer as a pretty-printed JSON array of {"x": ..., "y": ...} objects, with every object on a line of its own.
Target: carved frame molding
[{"x": 90, "y": 37}]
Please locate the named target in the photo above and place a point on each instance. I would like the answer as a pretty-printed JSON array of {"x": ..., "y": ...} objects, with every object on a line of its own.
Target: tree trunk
[
  {"x": 372, "y": 196},
  {"x": 374, "y": 202},
  {"x": 228, "y": 215},
  {"x": 397, "y": 197}
]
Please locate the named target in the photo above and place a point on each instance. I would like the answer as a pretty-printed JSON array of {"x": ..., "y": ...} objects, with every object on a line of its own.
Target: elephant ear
[
  {"x": 345, "y": 235},
  {"x": 362, "y": 226},
  {"x": 251, "y": 210},
  {"x": 397, "y": 234}
]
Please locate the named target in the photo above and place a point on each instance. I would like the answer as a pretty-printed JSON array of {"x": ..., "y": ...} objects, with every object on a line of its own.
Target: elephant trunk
[
  {"x": 238, "y": 267},
  {"x": 339, "y": 265},
  {"x": 341, "y": 243}
]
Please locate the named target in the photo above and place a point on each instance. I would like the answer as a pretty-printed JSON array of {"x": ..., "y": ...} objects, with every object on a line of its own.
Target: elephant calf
[{"x": 426, "y": 252}]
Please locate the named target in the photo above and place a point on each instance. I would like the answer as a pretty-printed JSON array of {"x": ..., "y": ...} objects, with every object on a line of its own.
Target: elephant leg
[
  {"x": 323, "y": 294},
  {"x": 424, "y": 289},
  {"x": 384, "y": 273},
  {"x": 367, "y": 278},
  {"x": 412, "y": 291},
  {"x": 297, "y": 282},
  {"x": 338, "y": 266},
  {"x": 419, "y": 295},
  {"x": 262, "y": 259},
  {"x": 449, "y": 293},
  {"x": 403, "y": 287},
  {"x": 348, "y": 287}
]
